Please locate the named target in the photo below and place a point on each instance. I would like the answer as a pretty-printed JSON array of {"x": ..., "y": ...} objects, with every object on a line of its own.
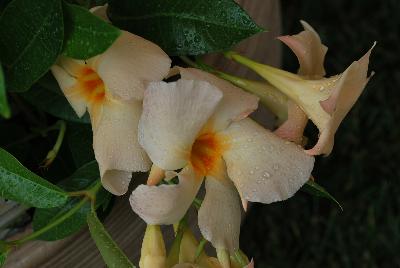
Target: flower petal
[
  {"x": 236, "y": 104},
  {"x": 292, "y": 129},
  {"x": 129, "y": 64},
  {"x": 220, "y": 214},
  {"x": 309, "y": 51},
  {"x": 349, "y": 87},
  {"x": 101, "y": 12},
  {"x": 67, "y": 83},
  {"x": 166, "y": 204},
  {"x": 173, "y": 115},
  {"x": 264, "y": 167},
  {"x": 115, "y": 144}
]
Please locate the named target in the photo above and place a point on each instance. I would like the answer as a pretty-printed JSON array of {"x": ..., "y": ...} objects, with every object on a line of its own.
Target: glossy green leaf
[
  {"x": 32, "y": 34},
  {"x": 315, "y": 189},
  {"x": 4, "y": 108},
  {"x": 47, "y": 96},
  {"x": 19, "y": 184},
  {"x": 112, "y": 255},
  {"x": 86, "y": 34},
  {"x": 82, "y": 179},
  {"x": 185, "y": 27}
]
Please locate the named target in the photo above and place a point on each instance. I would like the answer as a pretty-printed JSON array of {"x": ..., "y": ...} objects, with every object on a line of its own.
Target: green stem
[
  {"x": 52, "y": 154},
  {"x": 37, "y": 133},
  {"x": 200, "y": 249},
  {"x": 39, "y": 232},
  {"x": 197, "y": 203},
  {"x": 238, "y": 255}
]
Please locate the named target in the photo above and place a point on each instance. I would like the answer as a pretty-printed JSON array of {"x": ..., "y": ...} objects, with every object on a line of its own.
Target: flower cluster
[{"x": 198, "y": 129}]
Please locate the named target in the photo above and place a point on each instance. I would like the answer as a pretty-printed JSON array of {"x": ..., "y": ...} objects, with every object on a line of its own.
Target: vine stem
[
  {"x": 52, "y": 154},
  {"x": 89, "y": 196},
  {"x": 37, "y": 133},
  {"x": 51, "y": 225}
]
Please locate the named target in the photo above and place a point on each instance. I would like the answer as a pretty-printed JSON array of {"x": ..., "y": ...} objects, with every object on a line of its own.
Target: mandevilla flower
[
  {"x": 201, "y": 128},
  {"x": 326, "y": 101},
  {"x": 311, "y": 53},
  {"x": 110, "y": 86}
]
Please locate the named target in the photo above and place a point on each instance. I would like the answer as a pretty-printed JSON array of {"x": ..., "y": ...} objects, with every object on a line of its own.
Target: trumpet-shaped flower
[
  {"x": 310, "y": 53},
  {"x": 110, "y": 87},
  {"x": 198, "y": 124},
  {"x": 326, "y": 101}
]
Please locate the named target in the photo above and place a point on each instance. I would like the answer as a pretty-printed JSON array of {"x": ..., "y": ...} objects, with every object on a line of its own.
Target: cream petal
[
  {"x": 319, "y": 99},
  {"x": 264, "y": 167},
  {"x": 129, "y": 64},
  {"x": 236, "y": 104},
  {"x": 220, "y": 214},
  {"x": 67, "y": 83},
  {"x": 101, "y": 12},
  {"x": 309, "y": 51},
  {"x": 166, "y": 204},
  {"x": 344, "y": 95},
  {"x": 72, "y": 66},
  {"x": 115, "y": 144},
  {"x": 292, "y": 129},
  {"x": 173, "y": 115},
  {"x": 269, "y": 96}
]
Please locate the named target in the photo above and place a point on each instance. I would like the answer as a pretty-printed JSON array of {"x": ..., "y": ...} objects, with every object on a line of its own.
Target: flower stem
[
  {"x": 52, "y": 154},
  {"x": 200, "y": 249}
]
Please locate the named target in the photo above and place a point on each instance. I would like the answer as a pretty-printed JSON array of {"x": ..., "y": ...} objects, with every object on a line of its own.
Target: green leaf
[
  {"x": 185, "y": 27},
  {"x": 315, "y": 189},
  {"x": 86, "y": 34},
  {"x": 32, "y": 34},
  {"x": 112, "y": 255},
  {"x": 47, "y": 96},
  {"x": 19, "y": 184},
  {"x": 82, "y": 179},
  {"x": 4, "y": 108}
]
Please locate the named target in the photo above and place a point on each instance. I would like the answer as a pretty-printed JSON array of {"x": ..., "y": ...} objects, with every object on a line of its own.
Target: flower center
[
  {"x": 91, "y": 86},
  {"x": 206, "y": 154}
]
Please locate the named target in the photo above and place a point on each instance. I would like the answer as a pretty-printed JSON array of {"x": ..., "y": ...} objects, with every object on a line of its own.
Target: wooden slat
[{"x": 124, "y": 226}]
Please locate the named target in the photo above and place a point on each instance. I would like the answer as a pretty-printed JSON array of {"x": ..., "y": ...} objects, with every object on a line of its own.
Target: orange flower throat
[
  {"x": 91, "y": 86},
  {"x": 206, "y": 154}
]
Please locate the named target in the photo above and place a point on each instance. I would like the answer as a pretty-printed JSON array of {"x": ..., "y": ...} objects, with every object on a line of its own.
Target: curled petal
[
  {"x": 220, "y": 214},
  {"x": 115, "y": 144},
  {"x": 292, "y": 129},
  {"x": 166, "y": 204},
  {"x": 264, "y": 167},
  {"x": 101, "y": 12},
  {"x": 173, "y": 115},
  {"x": 236, "y": 104},
  {"x": 326, "y": 101},
  {"x": 309, "y": 51},
  {"x": 349, "y": 87},
  {"x": 67, "y": 83},
  {"x": 129, "y": 64}
]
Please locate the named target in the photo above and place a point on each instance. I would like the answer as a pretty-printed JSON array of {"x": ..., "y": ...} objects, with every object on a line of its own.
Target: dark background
[{"x": 363, "y": 170}]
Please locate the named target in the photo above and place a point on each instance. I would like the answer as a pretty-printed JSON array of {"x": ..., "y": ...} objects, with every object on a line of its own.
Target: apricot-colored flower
[
  {"x": 110, "y": 87},
  {"x": 198, "y": 124},
  {"x": 325, "y": 101}
]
